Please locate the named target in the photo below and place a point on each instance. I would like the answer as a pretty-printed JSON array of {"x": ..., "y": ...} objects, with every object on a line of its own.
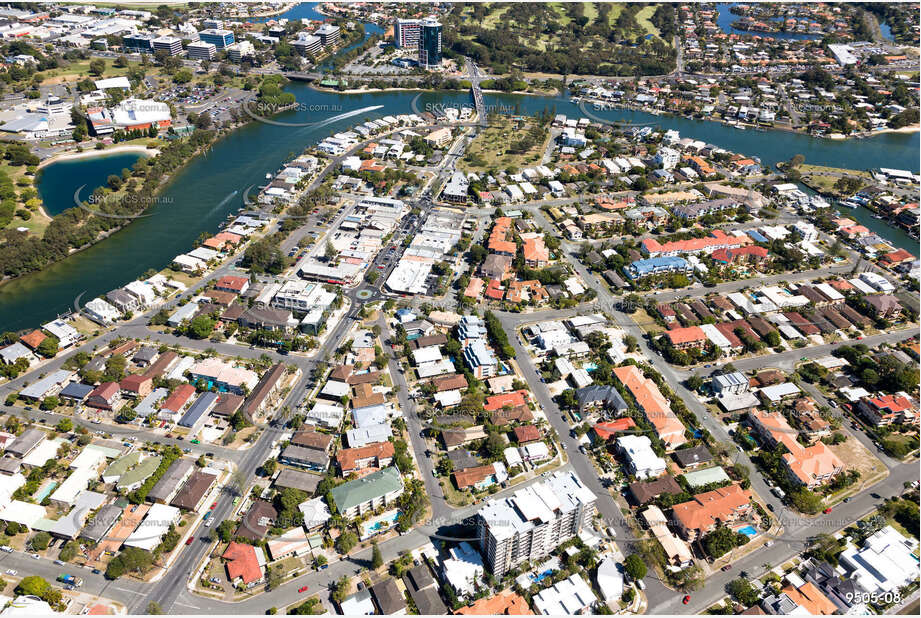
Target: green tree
[
  {"x": 49, "y": 346},
  {"x": 346, "y": 541},
  {"x": 225, "y": 530},
  {"x": 97, "y": 67},
  {"x": 41, "y": 541},
  {"x": 635, "y": 567},
  {"x": 50, "y": 403},
  {"x": 377, "y": 560},
  {"x": 743, "y": 591},
  {"x": 64, "y": 425},
  {"x": 153, "y": 608},
  {"x": 200, "y": 327},
  {"x": 33, "y": 585},
  {"x": 269, "y": 466}
]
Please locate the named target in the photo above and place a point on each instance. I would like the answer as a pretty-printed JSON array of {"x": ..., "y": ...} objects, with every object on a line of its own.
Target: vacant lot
[
  {"x": 856, "y": 457},
  {"x": 496, "y": 147}
]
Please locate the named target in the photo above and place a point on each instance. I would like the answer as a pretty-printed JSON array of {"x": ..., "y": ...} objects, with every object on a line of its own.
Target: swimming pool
[
  {"x": 748, "y": 531},
  {"x": 45, "y": 491}
]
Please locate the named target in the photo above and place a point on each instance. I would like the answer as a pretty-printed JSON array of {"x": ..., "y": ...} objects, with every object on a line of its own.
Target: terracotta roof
[
  {"x": 158, "y": 368},
  {"x": 535, "y": 250},
  {"x": 229, "y": 282},
  {"x": 521, "y": 413},
  {"x": 242, "y": 562},
  {"x": 811, "y": 599},
  {"x": 711, "y": 507},
  {"x": 347, "y": 458},
  {"x": 450, "y": 382},
  {"x": 312, "y": 439},
  {"x": 472, "y": 476},
  {"x": 653, "y": 403},
  {"x": 134, "y": 382},
  {"x": 689, "y": 334},
  {"x": 505, "y": 603},
  {"x": 227, "y": 404},
  {"x": 644, "y": 492},
  {"x": 220, "y": 297},
  {"x": 497, "y": 402},
  {"x": 526, "y": 433},
  {"x": 33, "y": 339},
  {"x": 609, "y": 429},
  {"x": 178, "y": 398}
]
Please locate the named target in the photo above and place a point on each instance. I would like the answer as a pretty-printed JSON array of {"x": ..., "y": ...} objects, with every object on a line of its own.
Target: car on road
[
  {"x": 846, "y": 500},
  {"x": 96, "y": 572},
  {"x": 59, "y": 562},
  {"x": 770, "y": 507},
  {"x": 686, "y": 599},
  {"x": 213, "y": 505},
  {"x": 827, "y": 511},
  {"x": 726, "y": 568},
  {"x": 303, "y": 589},
  {"x": 36, "y": 556},
  {"x": 11, "y": 571},
  {"x": 188, "y": 541}
]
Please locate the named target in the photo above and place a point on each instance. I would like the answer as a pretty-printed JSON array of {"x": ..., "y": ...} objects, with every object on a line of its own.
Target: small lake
[{"x": 59, "y": 181}]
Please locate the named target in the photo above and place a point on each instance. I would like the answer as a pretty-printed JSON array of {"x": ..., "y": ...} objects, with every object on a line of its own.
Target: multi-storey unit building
[
  {"x": 532, "y": 522},
  {"x": 218, "y": 37},
  {"x": 172, "y": 45}
]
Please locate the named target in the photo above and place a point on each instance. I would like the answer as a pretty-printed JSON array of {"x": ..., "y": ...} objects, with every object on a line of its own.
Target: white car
[
  {"x": 11, "y": 571},
  {"x": 36, "y": 556},
  {"x": 208, "y": 523}
]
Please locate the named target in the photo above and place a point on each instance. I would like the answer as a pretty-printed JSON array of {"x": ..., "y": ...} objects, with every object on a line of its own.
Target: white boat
[{"x": 848, "y": 203}]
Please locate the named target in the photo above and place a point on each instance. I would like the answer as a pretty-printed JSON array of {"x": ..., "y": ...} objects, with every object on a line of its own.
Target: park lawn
[
  {"x": 805, "y": 167},
  {"x": 494, "y": 17},
  {"x": 616, "y": 9},
  {"x": 824, "y": 184},
  {"x": 36, "y": 225},
  {"x": 490, "y": 145},
  {"x": 590, "y": 11},
  {"x": 560, "y": 10},
  {"x": 643, "y": 16}
]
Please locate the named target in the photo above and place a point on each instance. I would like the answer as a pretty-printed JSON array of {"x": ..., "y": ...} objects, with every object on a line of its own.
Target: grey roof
[
  {"x": 146, "y": 354},
  {"x": 12, "y": 353},
  {"x": 423, "y": 591},
  {"x": 462, "y": 459},
  {"x": 150, "y": 404},
  {"x": 76, "y": 390},
  {"x": 9, "y": 465},
  {"x": 690, "y": 456},
  {"x": 69, "y": 525},
  {"x": 607, "y": 395},
  {"x": 170, "y": 480},
  {"x": 26, "y": 441},
  {"x": 300, "y": 454},
  {"x": 98, "y": 526},
  {"x": 388, "y": 596},
  {"x": 298, "y": 480},
  {"x": 200, "y": 408},
  {"x": 40, "y": 387}
]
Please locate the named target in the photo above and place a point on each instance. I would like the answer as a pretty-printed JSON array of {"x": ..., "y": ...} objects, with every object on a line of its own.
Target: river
[
  {"x": 201, "y": 196},
  {"x": 725, "y": 20}
]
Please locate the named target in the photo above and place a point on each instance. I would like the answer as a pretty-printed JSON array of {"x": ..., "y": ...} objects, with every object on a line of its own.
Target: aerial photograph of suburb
[{"x": 459, "y": 308}]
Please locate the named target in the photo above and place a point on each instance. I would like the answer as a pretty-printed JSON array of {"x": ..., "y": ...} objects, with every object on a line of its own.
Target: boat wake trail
[{"x": 222, "y": 203}]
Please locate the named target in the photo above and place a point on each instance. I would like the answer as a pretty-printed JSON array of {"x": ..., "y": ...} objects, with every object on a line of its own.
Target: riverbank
[
  {"x": 547, "y": 93},
  {"x": 87, "y": 154},
  {"x": 613, "y": 105}
]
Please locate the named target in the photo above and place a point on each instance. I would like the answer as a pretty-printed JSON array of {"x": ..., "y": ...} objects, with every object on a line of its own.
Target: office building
[
  {"x": 328, "y": 33},
  {"x": 218, "y": 37},
  {"x": 199, "y": 50},
  {"x": 171, "y": 44},
  {"x": 138, "y": 43},
  {"x": 406, "y": 33}
]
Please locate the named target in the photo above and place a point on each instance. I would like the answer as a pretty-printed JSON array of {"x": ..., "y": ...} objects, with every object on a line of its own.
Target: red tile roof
[
  {"x": 242, "y": 562},
  {"x": 33, "y": 339},
  {"x": 497, "y": 402},
  {"x": 526, "y": 433},
  {"x": 609, "y": 429},
  {"x": 178, "y": 398}
]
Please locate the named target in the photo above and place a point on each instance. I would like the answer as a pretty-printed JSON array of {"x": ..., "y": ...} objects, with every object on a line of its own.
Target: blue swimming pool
[
  {"x": 748, "y": 531},
  {"x": 45, "y": 491}
]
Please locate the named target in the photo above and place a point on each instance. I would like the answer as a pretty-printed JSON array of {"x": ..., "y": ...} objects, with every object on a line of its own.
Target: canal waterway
[
  {"x": 210, "y": 188},
  {"x": 725, "y": 19}
]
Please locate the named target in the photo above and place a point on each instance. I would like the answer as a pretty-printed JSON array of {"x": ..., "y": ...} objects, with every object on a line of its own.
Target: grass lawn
[
  {"x": 454, "y": 496},
  {"x": 805, "y": 167},
  {"x": 643, "y": 17},
  {"x": 645, "y": 321},
  {"x": 494, "y": 17},
  {"x": 615, "y": 13},
  {"x": 488, "y": 151},
  {"x": 590, "y": 11}
]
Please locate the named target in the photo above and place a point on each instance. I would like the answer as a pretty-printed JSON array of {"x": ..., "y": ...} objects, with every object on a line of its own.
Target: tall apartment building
[
  {"x": 171, "y": 44},
  {"x": 220, "y": 38},
  {"x": 531, "y": 523},
  {"x": 421, "y": 36},
  {"x": 307, "y": 44},
  {"x": 200, "y": 50},
  {"x": 430, "y": 43},
  {"x": 406, "y": 33},
  {"x": 328, "y": 33}
]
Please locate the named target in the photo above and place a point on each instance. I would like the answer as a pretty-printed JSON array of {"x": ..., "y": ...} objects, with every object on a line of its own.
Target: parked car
[{"x": 686, "y": 599}]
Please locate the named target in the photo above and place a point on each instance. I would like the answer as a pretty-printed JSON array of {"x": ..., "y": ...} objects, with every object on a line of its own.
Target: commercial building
[
  {"x": 406, "y": 34},
  {"x": 170, "y": 44},
  {"x": 201, "y": 50},
  {"x": 430, "y": 43},
  {"x": 533, "y": 521},
  {"x": 218, "y": 37}
]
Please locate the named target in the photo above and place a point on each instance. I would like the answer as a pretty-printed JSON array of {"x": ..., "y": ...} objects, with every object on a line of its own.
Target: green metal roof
[
  {"x": 704, "y": 477},
  {"x": 377, "y": 484},
  {"x": 140, "y": 472},
  {"x": 122, "y": 464}
]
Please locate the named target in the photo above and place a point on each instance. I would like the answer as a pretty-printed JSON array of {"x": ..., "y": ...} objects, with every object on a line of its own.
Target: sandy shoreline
[{"x": 86, "y": 154}]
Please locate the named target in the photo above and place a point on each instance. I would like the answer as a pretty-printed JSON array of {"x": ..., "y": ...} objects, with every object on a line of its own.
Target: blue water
[
  {"x": 59, "y": 181},
  {"x": 590, "y": 366},
  {"x": 886, "y": 31},
  {"x": 748, "y": 531},
  {"x": 45, "y": 491},
  {"x": 541, "y": 576},
  {"x": 724, "y": 20}
]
